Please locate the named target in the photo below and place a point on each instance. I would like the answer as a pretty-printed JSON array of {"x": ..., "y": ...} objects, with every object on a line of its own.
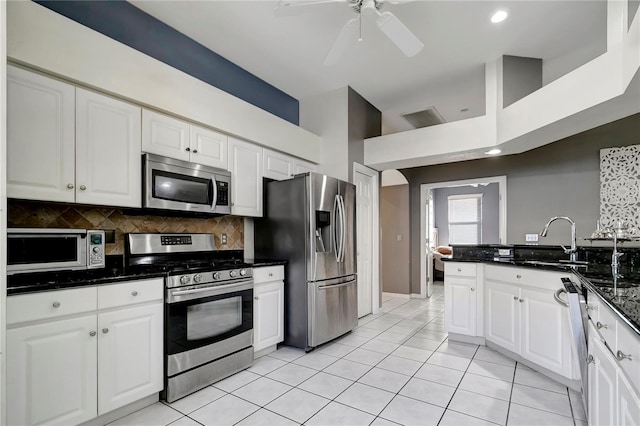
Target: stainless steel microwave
[
  {"x": 54, "y": 249},
  {"x": 170, "y": 184}
]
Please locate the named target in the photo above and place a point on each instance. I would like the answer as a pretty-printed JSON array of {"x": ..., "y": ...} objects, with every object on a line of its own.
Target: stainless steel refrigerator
[{"x": 309, "y": 220}]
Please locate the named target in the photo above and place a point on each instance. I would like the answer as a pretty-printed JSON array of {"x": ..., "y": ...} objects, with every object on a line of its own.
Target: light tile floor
[{"x": 397, "y": 367}]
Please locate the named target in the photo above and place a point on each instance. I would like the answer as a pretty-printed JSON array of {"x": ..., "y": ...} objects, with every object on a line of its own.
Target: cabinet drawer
[
  {"x": 50, "y": 304},
  {"x": 526, "y": 276},
  {"x": 606, "y": 325},
  {"x": 629, "y": 344},
  {"x": 130, "y": 292},
  {"x": 268, "y": 273},
  {"x": 460, "y": 269}
]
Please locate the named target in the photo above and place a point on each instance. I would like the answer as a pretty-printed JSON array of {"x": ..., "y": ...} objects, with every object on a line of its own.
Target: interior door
[
  {"x": 431, "y": 244},
  {"x": 364, "y": 235}
]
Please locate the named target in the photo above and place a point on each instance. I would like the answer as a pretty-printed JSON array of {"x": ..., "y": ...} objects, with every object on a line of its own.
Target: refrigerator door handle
[
  {"x": 336, "y": 212},
  {"x": 343, "y": 232},
  {"x": 331, "y": 286}
]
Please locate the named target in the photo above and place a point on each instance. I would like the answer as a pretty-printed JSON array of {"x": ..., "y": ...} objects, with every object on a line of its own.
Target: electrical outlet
[
  {"x": 223, "y": 239},
  {"x": 531, "y": 238}
]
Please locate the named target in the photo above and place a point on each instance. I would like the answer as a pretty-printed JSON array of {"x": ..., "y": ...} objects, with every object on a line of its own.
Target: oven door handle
[{"x": 182, "y": 295}]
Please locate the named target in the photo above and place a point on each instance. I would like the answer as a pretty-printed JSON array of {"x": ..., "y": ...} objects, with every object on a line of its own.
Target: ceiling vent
[{"x": 426, "y": 118}]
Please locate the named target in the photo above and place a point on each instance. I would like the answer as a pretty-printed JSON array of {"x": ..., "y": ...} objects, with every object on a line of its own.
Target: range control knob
[
  {"x": 243, "y": 272},
  {"x": 185, "y": 279},
  {"x": 96, "y": 250},
  {"x": 233, "y": 273},
  {"x": 197, "y": 278},
  {"x": 217, "y": 276}
]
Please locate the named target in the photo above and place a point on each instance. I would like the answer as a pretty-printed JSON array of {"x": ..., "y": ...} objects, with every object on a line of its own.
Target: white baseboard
[
  {"x": 398, "y": 295},
  {"x": 416, "y": 296}
]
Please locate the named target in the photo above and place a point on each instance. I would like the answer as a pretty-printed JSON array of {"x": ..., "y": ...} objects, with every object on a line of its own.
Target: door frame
[
  {"x": 426, "y": 188},
  {"x": 375, "y": 226}
]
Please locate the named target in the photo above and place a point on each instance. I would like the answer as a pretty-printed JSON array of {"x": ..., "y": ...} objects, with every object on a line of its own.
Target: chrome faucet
[{"x": 573, "y": 251}]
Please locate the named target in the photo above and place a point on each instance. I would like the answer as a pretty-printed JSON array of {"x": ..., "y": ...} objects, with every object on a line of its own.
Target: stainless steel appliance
[
  {"x": 579, "y": 319},
  {"x": 208, "y": 309},
  {"x": 310, "y": 221},
  {"x": 170, "y": 184},
  {"x": 54, "y": 249}
]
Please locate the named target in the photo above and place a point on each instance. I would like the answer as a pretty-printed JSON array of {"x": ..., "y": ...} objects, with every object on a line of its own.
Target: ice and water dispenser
[{"x": 323, "y": 231}]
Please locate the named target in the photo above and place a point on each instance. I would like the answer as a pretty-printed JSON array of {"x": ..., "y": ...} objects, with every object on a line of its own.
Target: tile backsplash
[{"x": 36, "y": 214}]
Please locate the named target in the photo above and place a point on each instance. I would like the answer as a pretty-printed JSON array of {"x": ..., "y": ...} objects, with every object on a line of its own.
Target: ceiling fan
[{"x": 387, "y": 22}]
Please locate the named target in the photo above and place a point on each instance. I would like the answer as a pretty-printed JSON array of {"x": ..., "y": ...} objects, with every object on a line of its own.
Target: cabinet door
[
  {"x": 51, "y": 372},
  {"x": 129, "y": 355},
  {"x": 245, "y": 165},
  {"x": 268, "y": 311},
  {"x": 546, "y": 337},
  {"x": 276, "y": 165},
  {"x": 628, "y": 403},
  {"x": 602, "y": 382},
  {"x": 164, "y": 135},
  {"x": 300, "y": 166},
  {"x": 107, "y": 151},
  {"x": 40, "y": 137},
  {"x": 502, "y": 319},
  {"x": 460, "y": 305},
  {"x": 208, "y": 147}
]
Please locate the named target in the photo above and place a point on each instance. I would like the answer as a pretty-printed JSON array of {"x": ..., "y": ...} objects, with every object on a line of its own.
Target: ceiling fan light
[{"x": 399, "y": 34}]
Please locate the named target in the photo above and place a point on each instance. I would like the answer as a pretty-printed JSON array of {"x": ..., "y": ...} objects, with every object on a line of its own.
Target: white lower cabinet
[
  {"x": 70, "y": 368},
  {"x": 52, "y": 372},
  {"x": 523, "y": 317},
  {"x": 612, "y": 399},
  {"x": 462, "y": 291},
  {"x": 268, "y": 307}
]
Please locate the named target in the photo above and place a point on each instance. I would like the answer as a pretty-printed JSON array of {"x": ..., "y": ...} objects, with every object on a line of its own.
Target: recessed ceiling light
[
  {"x": 494, "y": 151},
  {"x": 499, "y": 16}
]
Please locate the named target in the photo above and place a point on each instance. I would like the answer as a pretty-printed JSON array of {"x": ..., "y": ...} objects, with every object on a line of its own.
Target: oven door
[{"x": 206, "y": 322}]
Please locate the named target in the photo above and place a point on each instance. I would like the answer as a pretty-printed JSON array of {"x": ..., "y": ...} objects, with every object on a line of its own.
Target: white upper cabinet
[
  {"x": 174, "y": 138},
  {"x": 69, "y": 144},
  {"x": 281, "y": 166},
  {"x": 40, "y": 137},
  {"x": 208, "y": 147},
  {"x": 108, "y": 163},
  {"x": 245, "y": 165},
  {"x": 164, "y": 135}
]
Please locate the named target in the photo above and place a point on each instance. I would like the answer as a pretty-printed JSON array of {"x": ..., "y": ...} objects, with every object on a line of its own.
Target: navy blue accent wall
[{"x": 127, "y": 24}]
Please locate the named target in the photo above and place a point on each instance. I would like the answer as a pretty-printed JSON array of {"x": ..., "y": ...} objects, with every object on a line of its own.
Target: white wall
[{"x": 327, "y": 115}]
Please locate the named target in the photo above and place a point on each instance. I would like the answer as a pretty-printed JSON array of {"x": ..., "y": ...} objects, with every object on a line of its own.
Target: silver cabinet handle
[
  {"x": 195, "y": 151},
  {"x": 473, "y": 289},
  {"x": 56, "y": 304},
  {"x": 556, "y": 296},
  {"x": 521, "y": 300},
  {"x": 621, "y": 356},
  {"x": 82, "y": 187},
  {"x": 459, "y": 269},
  {"x": 105, "y": 330},
  {"x": 134, "y": 293},
  {"x": 590, "y": 360},
  {"x": 187, "y": 149},
  {"x": 256, "y": 297},
  {"x": 600, "y": 325},
  {"x": 270, "y": 274},
  {"x": 70, "y": 185},
  {"x": 92, "y": 333},
  {"x": 515, "y": 297},
  {"x": 518, "y": 276}
]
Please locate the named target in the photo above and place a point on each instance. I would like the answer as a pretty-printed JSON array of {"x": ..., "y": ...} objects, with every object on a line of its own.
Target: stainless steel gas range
[{"x": 208, "y": 309}]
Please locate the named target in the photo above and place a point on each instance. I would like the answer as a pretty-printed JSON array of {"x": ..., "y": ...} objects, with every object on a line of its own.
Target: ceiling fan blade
[
  {"x": 296, "y": 7},
  {"x": 400, "y": 35},
  {"x": 348, "y": 34}
]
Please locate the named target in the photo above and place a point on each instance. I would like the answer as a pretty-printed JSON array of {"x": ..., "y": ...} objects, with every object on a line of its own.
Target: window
[{"x": 465, "y": 219}]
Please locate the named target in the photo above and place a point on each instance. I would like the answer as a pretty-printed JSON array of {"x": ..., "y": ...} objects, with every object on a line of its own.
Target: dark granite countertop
[
  {"x": 114, "y": 271},
  {"x": 597, "y": 276}
]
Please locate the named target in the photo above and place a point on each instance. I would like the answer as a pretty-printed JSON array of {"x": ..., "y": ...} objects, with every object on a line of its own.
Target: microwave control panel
[{"x": 223, "y": 193}]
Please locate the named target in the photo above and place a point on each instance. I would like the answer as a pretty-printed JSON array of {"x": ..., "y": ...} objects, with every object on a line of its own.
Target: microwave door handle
[{"x": 214, "y": 184}]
